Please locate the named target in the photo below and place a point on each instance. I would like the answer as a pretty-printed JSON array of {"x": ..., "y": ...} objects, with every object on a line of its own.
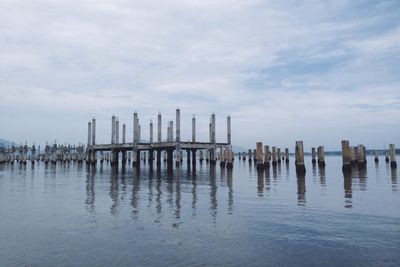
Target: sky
[{"x": 285, "y": 70}]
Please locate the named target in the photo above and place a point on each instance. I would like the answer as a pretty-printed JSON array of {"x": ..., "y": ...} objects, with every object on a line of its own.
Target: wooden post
[
  {"x": 346, "y": 156},
  {"x": 361, "y": 156},
  {"x": 259, "y": 156},
  {"x": 393, "y": 163},
  {"x": 151, "y": 131},
  {"x": 321, "y": 156},
  {"x": 229, "y": 160},
  {"x": 287, "y": 155},
  {"x": 222, "y": 162},
  {"x": 313, "y": 160},
  {"x": 194, "y": 129},
  {"x": 274, "y": 159},
  {"x": 266, "y": 156},
  {"x": 278, "y": 151},
  {"x": 376, "y": 158},
  {"x": 249, "y": 154},
  {"x": 299, "y": 152}
]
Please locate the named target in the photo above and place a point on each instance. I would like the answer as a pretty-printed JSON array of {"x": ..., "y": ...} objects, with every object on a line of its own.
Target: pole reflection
[
  {"x": 348, "y": 192},
  {"x": 301, "y": 189}
]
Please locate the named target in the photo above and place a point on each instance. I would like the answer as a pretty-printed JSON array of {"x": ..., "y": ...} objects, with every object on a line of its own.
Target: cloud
[{"x": 284, "y": 69}]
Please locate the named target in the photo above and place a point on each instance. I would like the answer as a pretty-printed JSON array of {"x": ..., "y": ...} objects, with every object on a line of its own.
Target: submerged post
[
  {"x": 274, "y": 159},
  {"x": 266, "y": 156},
  {"x": 346, "y": 156},
  {"x": 249, "y": 154},
  {"x": 229, "y": 162},
  {"x": 259, "y": 156},
  {"x": 287, "y": 155},
  {"x": 279, "y": 155},
  {"x": 321, "y": 156},
  {"x": 222, "y": 162},
  {"x": 299, "y": 152},
  {"x": 313, "y": 160},
  {"x": 392, "y": 152}
]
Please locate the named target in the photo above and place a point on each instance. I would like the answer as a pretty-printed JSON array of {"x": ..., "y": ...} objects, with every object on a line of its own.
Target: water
[{"x": 70, "y": 216}]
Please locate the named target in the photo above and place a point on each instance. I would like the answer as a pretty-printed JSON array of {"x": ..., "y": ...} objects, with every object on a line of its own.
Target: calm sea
[{"x": 69, "y": 215}]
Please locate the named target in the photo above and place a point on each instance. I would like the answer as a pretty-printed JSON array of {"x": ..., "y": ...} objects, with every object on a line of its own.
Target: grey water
[{"x": 71, "y": 215}]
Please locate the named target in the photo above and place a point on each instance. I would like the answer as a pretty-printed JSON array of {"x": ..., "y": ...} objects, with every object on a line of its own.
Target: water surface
[{"x": 71, "y": 215}]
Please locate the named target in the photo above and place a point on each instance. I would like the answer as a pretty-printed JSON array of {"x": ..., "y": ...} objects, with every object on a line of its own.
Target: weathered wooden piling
[
  {"x": 222, "y": 161},
  {"x": 213, "y": 140},
  {"x": 392, "y": 152},
  {"x": 376, "y": 158},
  {"x": 266, "y": 156},
  {"x": 299, "y": 162},
  {"x": 250, "y": 155},
  {"x": 287, "y": 155},
  {"x": 274, "y": 156},
  {"x": 387, "y": 156},
  {"x": 229, "y": 159},
  {"x": 346, "y": 156},
  {"x": 321, "y": 156},
  {"x": 243, "y": 156},
  {"x": 313, "y": 158},
  {"x": 259, "y": 156},
  {"x": 278, "y": 152},
  {"x": 89, "y": 142},
  {"x": 361, "y": 157}
]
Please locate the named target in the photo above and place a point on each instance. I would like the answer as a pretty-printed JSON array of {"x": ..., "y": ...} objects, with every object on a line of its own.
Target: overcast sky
[{"x": 317, "y": 71}]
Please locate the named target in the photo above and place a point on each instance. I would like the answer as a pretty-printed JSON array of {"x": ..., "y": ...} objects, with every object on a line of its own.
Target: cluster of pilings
[
  {"x": 170, "y": 149},
  {"x": 52, "y": 153},
  {"x": 320, "y": 153},
  {"x": 263, "y": 157},
  {"x": 356, "y": 156}
]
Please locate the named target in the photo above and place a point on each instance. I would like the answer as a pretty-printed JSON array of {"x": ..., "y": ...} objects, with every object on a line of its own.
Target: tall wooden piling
[
  {"x": 89, "y": 143},
  {"x": 249, "y": 155},
  {"x": 299, "y": 153},
  {"x": 346, "y": 156},
  {"x": 259, "y": 156},
  {"x": 117, "y": 131},
  {"x": 266, "y": 156},
  {"x": 279, "y": 155},
  {"x": 392, "y": 152},
  {"x": 123, "y": 133},
  {"x": 229, "y": 159},
  {"x": 274, "y": 156},
  {"x": 178, "y": 137},
  {"x": 313, "y": 160},
  {"x": 228, "y": 130},
  {"x": 159, "y": 120},
  {"x": 136, "y": 151},
  {"x": 361, "y": 157},
  {"x": 321, "y": 156},
  {"x": 222, "y": 162},
  {"x": 287, "y": 155},
  {"x": 194, "y": 129}
]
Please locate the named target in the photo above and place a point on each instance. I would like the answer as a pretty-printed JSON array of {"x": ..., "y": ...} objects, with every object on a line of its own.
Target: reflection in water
[
  {"x": 260, "y": 183},
  {"x": 314, "y": 169},
  {"x": 213, "y": 193},
  {"x": 348, "y": 192},
  {"x": 135, "y": 198},
  {"x": 322, "y": 176},
  {"x": 114, "y": 187},
  {"x": 274, "y": 173},
  {"x": 394, "y": 179},
  {"x": 362, "y": 175},
  {"x": 267, "y": 180},
  {"x": 230, "y": 190},
  {"x": 194, "y": 194},
  {"x": 301, "y": 189}
]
